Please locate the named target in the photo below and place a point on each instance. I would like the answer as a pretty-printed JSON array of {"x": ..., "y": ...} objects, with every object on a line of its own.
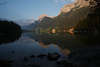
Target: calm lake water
[{"x": 33, "y": 50}]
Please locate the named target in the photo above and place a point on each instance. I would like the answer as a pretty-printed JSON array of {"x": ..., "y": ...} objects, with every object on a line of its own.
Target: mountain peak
[
  {"x": 42, "y": 16},
  {"x": 77, "y": 4}
]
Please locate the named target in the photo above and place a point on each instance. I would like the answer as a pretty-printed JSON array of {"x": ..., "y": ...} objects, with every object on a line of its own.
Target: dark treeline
[{"x": 9, "y": 31}]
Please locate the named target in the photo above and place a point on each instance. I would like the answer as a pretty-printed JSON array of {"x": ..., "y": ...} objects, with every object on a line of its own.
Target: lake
[{"x": 48, "y": 50}]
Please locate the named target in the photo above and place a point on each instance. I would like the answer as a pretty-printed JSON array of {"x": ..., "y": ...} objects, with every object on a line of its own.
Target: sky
[{"x": 30, "y": 9}]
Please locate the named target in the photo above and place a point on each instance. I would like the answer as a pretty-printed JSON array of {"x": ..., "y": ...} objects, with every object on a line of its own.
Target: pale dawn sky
[{"x": 30, "y": 9}]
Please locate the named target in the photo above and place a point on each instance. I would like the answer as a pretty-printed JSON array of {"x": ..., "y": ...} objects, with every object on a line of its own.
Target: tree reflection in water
[{"x": 9, "y": 31}]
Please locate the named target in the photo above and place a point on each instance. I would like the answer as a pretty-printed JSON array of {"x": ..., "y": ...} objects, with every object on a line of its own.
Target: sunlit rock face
[
  {"x": 73, "y": 13},
  {"x": 42, "y": 16},
  {"x": 82, "y": 3},
  {"x": 82, "y": 13},
  {"x": 45, "y": 19},
  {"x": 67, "y": 8},
  {"x": 45, "y": 22},
  {"x": 77, "y": 4}
]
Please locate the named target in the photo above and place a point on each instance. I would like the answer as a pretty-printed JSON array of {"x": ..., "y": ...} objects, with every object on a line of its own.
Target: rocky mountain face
[
  {"x": 82, "y": 15},
  {"x": 69, "y": 16},
  {"x": 92, "y": 22},
  {"x": 72, "y": 14},
  {"x": 46, "y": 22}
]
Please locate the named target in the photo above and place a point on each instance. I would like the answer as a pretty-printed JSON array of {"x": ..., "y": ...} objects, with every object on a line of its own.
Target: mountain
[
  {"x": 43, "y": 22},
  {"x": 30, "y": 26},
  {"x": 76, "y": 15},
  {"x": 91, "y": 22},
  {"x": 46, "y": 22},
  {"x": 27, "y": 24},
  {"x": 73, "y": 13},
  {"x": 69, "y": 16}
]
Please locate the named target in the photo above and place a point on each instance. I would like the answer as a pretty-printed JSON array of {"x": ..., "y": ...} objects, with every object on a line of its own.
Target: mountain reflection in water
[
  {"x": 44, "y": 50},
  {"x": 28, "y": 52}
]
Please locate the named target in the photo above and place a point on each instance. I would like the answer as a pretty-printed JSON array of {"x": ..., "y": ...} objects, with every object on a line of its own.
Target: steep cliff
[
  {"x": 77, "y": 14},
  {"x": 92, "y": 22},
  {"x": 71, "y": 14}
]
